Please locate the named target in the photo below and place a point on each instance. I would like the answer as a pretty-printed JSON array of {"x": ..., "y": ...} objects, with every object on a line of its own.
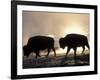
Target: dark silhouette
[
  {"x": 37, "y": 43},
  {"x": 73, "y": 41}
]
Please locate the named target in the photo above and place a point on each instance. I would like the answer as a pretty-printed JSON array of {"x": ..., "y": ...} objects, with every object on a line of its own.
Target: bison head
[
  {"x": 26, "y": 50},
  {"x": 62, "y": 43}
]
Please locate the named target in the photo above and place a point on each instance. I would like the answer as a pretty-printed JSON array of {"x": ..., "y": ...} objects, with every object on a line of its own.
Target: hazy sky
[{"x": 54, "y": 24}]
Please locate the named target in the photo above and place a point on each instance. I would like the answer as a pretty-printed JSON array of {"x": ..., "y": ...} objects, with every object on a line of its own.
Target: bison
[
  {"x": 37, "y": 43},
  {"x": 73, "y": 41}
]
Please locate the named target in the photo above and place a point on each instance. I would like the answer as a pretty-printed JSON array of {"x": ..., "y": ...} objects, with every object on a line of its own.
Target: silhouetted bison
[
  {"x": 37, "y": 43},
  {"x": 73, "y": 41}
]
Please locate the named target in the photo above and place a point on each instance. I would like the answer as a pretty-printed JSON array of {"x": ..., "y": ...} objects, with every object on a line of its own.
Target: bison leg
[
  {"x": 83, "y": 49},
  {"x": 48, "y": 52},
  {"x": 75, "y": 49},
  {"x": 68, "y": 51},
  {"x": 37, "y": 54},
  {"x": 75, "y": 58},
  {"x": 54, "y": 51},
  {"x": 88, "y": 46}
]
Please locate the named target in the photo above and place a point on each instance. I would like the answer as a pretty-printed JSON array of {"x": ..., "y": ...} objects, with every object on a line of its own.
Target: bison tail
[{"x": 87, "y": 44}]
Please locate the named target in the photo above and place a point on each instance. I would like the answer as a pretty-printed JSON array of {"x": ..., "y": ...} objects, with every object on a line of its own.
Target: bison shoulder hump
[{"x": 40, "y": 38}]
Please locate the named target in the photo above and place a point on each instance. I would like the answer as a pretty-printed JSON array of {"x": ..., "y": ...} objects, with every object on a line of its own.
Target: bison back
[
  {"x": 76, "y": 40},
  {"x": 40, "y": 42}
]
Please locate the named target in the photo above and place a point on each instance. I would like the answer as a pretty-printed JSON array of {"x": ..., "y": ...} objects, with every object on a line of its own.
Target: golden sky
[{"x": 53, "y": 24}]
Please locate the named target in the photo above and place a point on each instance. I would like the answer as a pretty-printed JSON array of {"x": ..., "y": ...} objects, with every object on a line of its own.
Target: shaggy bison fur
[
  {"x": 73, "y": 41},
  {"x": 37, "y": 43}
]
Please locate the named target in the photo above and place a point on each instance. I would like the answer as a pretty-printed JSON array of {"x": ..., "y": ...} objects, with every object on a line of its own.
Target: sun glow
[
  {"x": 50, "y": 35},
  {"x": 73, "y": 29}
]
